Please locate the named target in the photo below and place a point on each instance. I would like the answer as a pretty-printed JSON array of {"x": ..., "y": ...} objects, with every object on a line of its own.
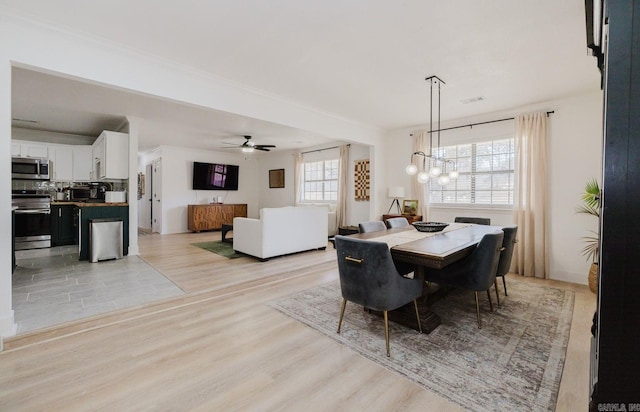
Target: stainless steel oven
[
  {"x": 32, "y": 221},
  {"x": 30, "y": 168},
  {"x": 32, "y": 224}
]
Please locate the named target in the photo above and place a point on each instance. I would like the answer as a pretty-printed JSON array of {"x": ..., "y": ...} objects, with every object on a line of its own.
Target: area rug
[
  {"x": 514, "y": 362},
  {"x": 219, "y": 248}
]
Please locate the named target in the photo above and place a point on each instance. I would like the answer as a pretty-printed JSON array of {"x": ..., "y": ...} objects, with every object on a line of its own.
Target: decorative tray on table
[{"x": 430, "y": 226}]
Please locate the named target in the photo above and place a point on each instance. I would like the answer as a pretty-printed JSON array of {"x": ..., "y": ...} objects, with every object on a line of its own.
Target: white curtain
[
  {"x": 343, "y": 176},
  {"x": 297, "y": 178},
  {"x": 420, "y": 191},
  {"x": 529, "y": 208}
]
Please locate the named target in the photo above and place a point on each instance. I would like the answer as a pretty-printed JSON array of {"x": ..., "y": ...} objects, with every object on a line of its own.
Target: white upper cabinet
[
  {"x": 69, "y": 163},
  {"x": 111, "y": 155},
  {"x": 107, "y": 158},
  {"x": 82, "y": 163},
  {"x": 15, "y": 149},
  {"x": 61, "y": 157},
  {"x": 29, "y": 149}
]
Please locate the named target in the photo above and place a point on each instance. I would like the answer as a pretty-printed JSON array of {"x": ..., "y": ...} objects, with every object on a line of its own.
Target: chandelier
[{"x": 433, "y": 164}]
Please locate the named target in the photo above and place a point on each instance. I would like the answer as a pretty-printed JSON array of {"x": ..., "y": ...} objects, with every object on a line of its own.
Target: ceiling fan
[{"x": 248, "y": 146}]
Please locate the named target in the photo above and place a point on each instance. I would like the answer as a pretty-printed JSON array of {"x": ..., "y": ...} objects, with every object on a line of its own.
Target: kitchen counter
[{"x": 87, "y": 204}]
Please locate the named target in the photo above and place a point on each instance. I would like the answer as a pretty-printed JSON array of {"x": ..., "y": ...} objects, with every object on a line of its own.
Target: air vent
[
  {"x": 472, "y": 100},
  {"x": 24, "y": 120}
]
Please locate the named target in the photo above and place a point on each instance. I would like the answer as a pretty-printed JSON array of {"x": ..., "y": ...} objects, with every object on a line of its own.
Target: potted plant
[{"x": 591, "y": 206}]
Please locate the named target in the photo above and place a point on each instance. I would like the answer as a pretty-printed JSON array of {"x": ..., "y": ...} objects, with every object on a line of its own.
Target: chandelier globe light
[
  {"x": 423, "y": 177},
  {"x": 411, "y": 169},
  {"x": 437, "y": 162}
]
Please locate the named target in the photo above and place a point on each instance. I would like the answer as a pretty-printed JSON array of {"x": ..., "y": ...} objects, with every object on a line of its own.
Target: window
[
  {"x": 320, "y": 181},
  {"x": 486, "y": 175}
]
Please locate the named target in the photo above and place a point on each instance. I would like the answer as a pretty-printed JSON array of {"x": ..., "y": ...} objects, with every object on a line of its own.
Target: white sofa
[
  {"x": 332, "y": 222},
  {"x": 280, "y": 231}
]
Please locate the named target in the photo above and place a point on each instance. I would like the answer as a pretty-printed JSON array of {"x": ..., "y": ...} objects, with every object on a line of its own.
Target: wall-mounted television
[{"x": 213, "y": 176}]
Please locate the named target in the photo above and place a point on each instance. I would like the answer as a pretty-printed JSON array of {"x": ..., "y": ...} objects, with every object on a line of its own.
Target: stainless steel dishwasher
[{"x": 105, "y": 239}]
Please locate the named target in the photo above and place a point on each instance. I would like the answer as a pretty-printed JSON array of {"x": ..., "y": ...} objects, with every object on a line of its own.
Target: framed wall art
[
  {"x": 276, "y": 179},
  {"x": 361, "y": 180},
  {"x": 409, "y": 207}
]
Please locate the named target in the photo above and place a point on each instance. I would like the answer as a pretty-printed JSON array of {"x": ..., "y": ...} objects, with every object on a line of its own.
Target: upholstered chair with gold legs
[
  {"x": 395, "y": 222},
  {"x": 475, "y": 220},
  {"x": 508, "y": 244},
  {"x": 476, "y": 272},
  {"x": 368, "y": 277},
  {"x": 371, "y": 226}
]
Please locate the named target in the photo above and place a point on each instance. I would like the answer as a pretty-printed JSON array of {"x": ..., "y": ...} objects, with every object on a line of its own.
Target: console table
[
  {"x": 213, "y": 216},
  {"x": 410, "y": 218}
]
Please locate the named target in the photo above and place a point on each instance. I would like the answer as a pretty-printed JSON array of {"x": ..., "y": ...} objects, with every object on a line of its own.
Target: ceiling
[
  {"x": 362, "y": 60},
  {"x": 52, "y": 103}
]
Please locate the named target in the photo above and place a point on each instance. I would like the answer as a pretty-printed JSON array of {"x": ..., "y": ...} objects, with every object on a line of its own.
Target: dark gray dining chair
[
  {"x": 475, "y": 272},
  {"x": 397, "y": 222},
  {"x": 476, "y": 220},
  {"x": 504, "y": 264},
  {"x": 368, "y": 277},
  {"x": 371, "y": 226}
]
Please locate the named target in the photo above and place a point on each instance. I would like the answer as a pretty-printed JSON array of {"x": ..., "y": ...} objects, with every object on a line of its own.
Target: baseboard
[
  {"x": 579, "y": 278},
  {"x": 8, "y": 326}
]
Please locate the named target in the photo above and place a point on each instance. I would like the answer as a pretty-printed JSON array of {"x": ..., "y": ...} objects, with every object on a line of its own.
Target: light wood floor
[{"x": 219, "y": 348}]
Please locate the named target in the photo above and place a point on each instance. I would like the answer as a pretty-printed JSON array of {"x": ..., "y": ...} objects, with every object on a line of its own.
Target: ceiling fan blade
[
  {"x": 264, "y": 145},
  {"x": 261, "y": 148}
]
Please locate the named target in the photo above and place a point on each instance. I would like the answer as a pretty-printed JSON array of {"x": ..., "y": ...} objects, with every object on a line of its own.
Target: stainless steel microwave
[{"x": 30, "y": 168}]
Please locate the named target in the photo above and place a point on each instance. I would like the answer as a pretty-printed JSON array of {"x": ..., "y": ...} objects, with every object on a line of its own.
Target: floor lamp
[{"x": 396, "y": 192}]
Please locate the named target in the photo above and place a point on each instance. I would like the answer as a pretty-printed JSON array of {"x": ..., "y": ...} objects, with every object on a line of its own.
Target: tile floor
[{"x": 51, "y": 286}]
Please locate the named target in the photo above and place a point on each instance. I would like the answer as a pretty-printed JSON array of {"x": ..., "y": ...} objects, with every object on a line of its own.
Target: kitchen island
[{"x": 85, "y": 211}]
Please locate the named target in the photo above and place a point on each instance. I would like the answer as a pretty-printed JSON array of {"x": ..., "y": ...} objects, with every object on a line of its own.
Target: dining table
[{"x": 425, "y": 251}]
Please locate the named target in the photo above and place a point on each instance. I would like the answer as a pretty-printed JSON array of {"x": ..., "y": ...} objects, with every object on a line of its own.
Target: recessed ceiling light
[{"x": 472, "y": 100}]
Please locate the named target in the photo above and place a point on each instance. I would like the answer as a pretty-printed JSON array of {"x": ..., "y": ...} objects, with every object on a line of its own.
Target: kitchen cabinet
[
  {"x": 28, "y": 149},
  {"x": 61, "y": 157},
  {"x": 70, "y": 163},
  {"x": 89, "y": 211},
  {"x": 82, "y": 163},
  {"x": 63, "y": 225},
  {"x": 15, "y": 149},
  {"x": 111, "y": 155},
  {"x": 97, "y": 155}
]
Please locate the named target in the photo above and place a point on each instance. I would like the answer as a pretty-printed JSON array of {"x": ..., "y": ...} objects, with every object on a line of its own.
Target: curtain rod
[
  {"x": 320, "y": 150},
  {"x": 476, "y": 124}
]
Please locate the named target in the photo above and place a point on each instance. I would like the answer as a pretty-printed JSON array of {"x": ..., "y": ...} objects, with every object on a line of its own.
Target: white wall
[
  {"x": 7, "y": 324},
  {"x": 132, "y": 127},
  {"x": 357, "y": 211},
  {"x": 276, "y": 197},
  {"x": 574, "y": 156},
  {"x": 177, "y": 175}
]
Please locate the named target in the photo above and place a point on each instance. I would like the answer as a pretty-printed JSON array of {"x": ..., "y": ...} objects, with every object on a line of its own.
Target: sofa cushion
[{"x": 331, "y": 218}]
